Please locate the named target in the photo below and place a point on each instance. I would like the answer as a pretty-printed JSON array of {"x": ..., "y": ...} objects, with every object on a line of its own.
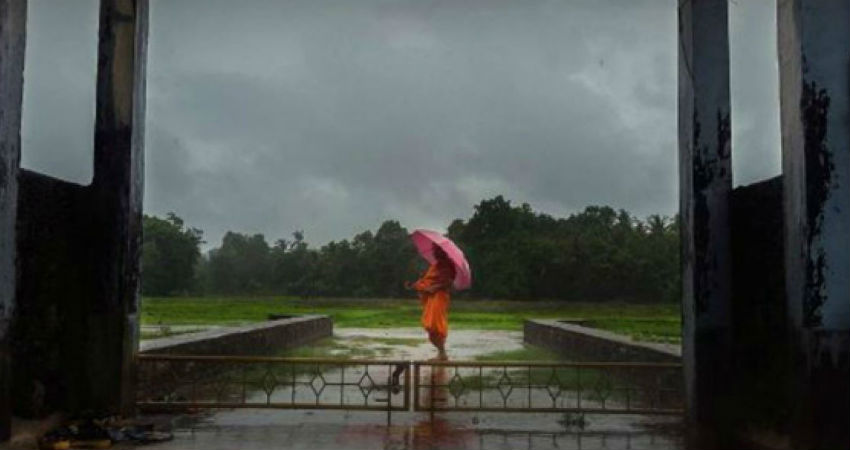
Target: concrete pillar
[
  {"x": 13, "y": 20},
  {"x": 117, "y": 192},
  {"x": 814, "y": 69},
  {"x": 705, "y": 175}
]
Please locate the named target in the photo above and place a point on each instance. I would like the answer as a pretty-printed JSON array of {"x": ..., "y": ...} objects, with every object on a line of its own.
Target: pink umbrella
[{"x": 425, "y": 239}]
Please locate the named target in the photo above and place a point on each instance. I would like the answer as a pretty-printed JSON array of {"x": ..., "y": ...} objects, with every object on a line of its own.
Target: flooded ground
[
  {"x": 299, "y": 429},
  {"x": 411, "y": 343}
]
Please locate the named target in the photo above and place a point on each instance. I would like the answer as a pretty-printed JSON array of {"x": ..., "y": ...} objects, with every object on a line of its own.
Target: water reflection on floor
[
  {"x": 409, "y": 431},
  {"x": 263, "y": 429}
]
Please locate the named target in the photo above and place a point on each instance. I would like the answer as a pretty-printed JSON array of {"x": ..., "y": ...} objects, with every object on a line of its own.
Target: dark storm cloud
[
  {"x": 755, "y": 91},
  {"x": 331, "y": 116},
  {"x": 59, "y": 85}
]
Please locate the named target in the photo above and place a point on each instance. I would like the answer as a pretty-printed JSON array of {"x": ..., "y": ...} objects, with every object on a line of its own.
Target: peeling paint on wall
[
  {"x": 705, "y": 171},
  {"x": 702, "y": 177},
  {"x": 724, "y": 140},
  {"x": 814, "y": 108}
]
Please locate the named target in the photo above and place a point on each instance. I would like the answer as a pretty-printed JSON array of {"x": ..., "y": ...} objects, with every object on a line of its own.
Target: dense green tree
[
  {"x": 293, "y": 266},
  {"x": 170, "y": 255},
  {"x": 241, "y": 265},
  {"x": 597, "y": 254},
  {"x": 392, "y": 260}
]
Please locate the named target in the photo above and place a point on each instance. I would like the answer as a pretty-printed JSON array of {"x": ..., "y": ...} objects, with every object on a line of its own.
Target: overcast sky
[{"x": 331, "y": 116}]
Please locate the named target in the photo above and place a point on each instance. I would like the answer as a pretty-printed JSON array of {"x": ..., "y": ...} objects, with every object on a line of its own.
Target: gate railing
[
  {"x": 576, "y": 387},
  {"x": 187, "y": 382},
  {"x": 174, "y": 382}
]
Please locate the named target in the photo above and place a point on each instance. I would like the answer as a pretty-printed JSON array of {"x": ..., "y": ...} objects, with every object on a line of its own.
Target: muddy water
[{"x": 297, "y": 429}]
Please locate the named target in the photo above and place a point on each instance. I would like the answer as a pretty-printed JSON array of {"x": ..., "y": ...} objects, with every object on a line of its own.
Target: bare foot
[{"x": 439, "y": 358}]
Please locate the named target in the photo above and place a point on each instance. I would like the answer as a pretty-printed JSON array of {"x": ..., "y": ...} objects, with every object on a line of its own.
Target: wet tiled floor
[
  {"x": 289, "y": 429},
  {"x": 415, "y": 431}
]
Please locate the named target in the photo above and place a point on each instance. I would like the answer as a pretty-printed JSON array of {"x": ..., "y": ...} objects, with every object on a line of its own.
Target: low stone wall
[
  {"x": 591, "y": 344},
  {"x": 258, "y": 339}
]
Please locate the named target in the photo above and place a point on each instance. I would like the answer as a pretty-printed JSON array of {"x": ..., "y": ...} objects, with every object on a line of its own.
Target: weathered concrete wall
[
  {"x": 759, "y": 323},
  {"x": 705, "y": 180},
  {"x": 814, "y": 69},
  {"x": 596, "y": 345},
  {"x": 118, "y": 191},
  {"x": 13, "y": 18},
  {"x": 259, "y": 339},
  {"x": 79, "y": 247},
  {"x": 55, "y": 286}
]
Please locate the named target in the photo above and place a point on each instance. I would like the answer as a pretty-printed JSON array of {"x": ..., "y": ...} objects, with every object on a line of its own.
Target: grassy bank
[{"x": 656, "y": 322}]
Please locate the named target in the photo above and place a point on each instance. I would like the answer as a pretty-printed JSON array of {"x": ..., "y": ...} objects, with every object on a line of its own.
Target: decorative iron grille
[
  {"x": 169, "y": 382},
  {"x": 191, "y": 382},
  {"x": 610, "y": 388}
]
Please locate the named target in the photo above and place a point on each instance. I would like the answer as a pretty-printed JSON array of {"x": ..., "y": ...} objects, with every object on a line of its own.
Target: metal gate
[
  {"x": 610, "y": 388},
  {"x": 172, "y": 382}
]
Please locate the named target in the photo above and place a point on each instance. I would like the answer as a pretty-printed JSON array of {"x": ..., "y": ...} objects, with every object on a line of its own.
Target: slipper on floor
[
  {"x": 92, "y": 443},
  {"x": 145, "y": 435},
  {"x": 54, "y": 444}
]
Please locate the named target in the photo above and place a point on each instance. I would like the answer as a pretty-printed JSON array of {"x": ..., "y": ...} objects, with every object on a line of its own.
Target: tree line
[{"x": 515, "y": 253}]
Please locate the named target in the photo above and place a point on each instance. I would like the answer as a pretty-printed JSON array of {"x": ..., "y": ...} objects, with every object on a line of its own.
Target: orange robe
[{"x": 435, "y": 305}]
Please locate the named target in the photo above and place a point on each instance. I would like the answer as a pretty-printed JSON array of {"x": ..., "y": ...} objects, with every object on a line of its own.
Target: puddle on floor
[{"x": 409, "y": 344}]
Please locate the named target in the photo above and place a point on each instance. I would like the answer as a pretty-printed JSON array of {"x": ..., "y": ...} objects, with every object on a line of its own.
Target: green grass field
[{"x": 656, "y": 322}]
